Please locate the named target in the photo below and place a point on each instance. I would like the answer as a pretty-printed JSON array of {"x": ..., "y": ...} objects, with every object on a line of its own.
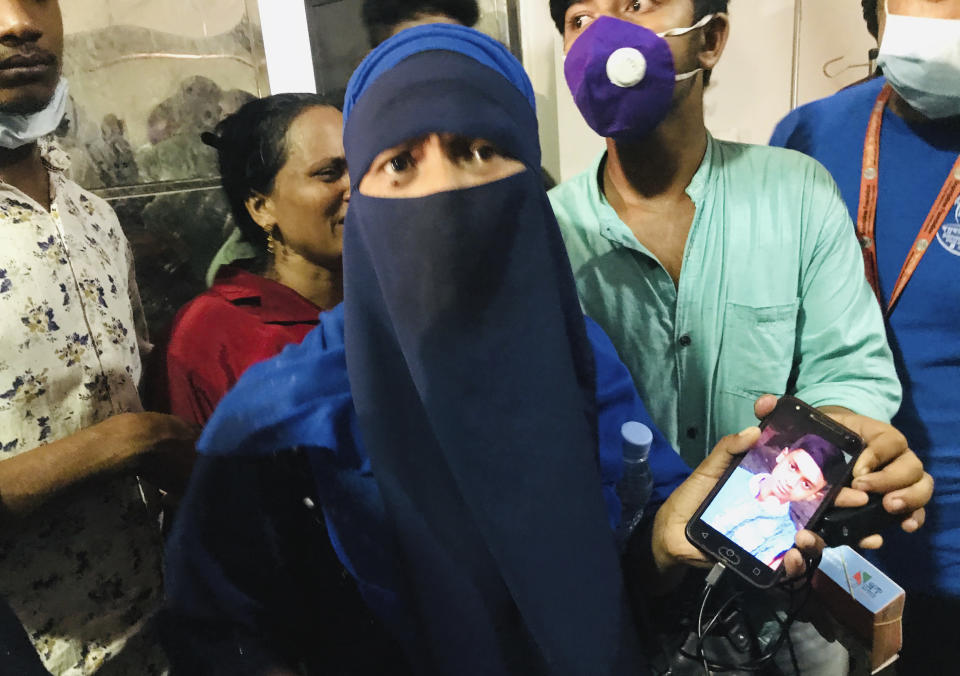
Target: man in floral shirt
[{"x": 79, "y": 545}]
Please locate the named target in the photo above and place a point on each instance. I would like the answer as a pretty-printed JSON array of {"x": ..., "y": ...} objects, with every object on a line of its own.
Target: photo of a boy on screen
[{"x": 774, "y": 492}]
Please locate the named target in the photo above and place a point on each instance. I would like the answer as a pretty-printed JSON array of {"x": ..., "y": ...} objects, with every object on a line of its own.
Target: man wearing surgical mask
[
  {"x": 721, "y": 271},
  {"x": 905, "y": 200}
]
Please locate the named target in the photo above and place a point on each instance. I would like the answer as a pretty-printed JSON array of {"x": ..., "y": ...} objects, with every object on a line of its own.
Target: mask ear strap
[
  {"x": 677, "y": 32},
  {"x": 686, "y": 76}
]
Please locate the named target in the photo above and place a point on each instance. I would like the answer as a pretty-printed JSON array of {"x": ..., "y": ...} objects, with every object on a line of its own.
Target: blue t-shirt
[{"x": 924, "y": 330}]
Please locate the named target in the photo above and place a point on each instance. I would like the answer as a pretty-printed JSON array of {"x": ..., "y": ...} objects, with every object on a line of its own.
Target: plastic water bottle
[{"x": 636, "y": 485}]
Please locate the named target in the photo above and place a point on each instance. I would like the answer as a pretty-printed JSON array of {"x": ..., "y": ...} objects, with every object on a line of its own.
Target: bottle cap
[
  {"x": 626, "y": 67},
  {"x": 636, "y": 434}
]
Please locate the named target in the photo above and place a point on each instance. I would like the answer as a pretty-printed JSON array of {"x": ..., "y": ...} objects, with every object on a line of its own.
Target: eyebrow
[
  {"x": 407, "y": 143},
  {"x": 588, "y": 4},
  {"x": 328, "y": 161},
  {"x": 812, "y": 479}
]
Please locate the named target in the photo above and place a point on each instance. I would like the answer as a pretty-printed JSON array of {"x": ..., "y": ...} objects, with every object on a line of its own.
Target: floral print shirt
[{"x": 83, "y": 572}]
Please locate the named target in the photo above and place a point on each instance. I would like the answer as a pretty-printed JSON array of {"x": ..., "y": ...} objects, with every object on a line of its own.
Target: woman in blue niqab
[{"x": 445, "y": 420}]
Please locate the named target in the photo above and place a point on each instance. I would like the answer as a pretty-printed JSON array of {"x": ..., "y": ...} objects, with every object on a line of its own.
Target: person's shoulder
[
  {"x": 797, "y": 187},
  {"x": 237, "y": 326},
  {"x": 579, "y": 208},
  {"x": 777, "y": 165},
  {"x": 94, "y": 216},
  {"x": 802, "y": 127},
  {"x": 856, "y": 97},
  {"x": 211, "y": 304},
  {"x": 577, "y": 195},
  {"x": 91, "y": 205},
  {"x": 207, "y": 319},
  {"x": 296, "y": 398}
]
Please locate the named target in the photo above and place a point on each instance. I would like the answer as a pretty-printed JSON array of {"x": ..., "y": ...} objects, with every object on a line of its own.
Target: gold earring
[{"x": 271, "y": 242}]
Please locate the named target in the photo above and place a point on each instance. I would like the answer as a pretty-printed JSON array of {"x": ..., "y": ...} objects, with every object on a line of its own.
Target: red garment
[{"x": 242, "y": 319}]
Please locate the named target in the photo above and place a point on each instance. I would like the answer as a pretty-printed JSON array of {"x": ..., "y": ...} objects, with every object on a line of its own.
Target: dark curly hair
[
  {"x": 251, "y": 149},
  {"x": 870, "y": 16},
  {"x": 380, "y": 17}
]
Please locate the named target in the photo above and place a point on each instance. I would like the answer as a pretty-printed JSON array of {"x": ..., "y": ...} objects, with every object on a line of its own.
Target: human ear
[
  {"x": 715, "y": 35},
  {"x": 260, "y": 208}
]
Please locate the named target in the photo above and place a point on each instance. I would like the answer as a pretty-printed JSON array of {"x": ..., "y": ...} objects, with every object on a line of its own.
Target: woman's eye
[
  {"x": 483, "y": 152},
  {"x": 329, "y": 175},
  {"x": 400, "y": 163},
  {"x": 636, "y": 6}
]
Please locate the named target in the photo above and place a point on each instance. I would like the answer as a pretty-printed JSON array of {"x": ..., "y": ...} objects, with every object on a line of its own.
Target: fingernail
[
  {"x": 897, "y": 504},
  {"x": 861, "y": 485},
  {"x": 749, "y": 430},
  {"x": 911, "y": 525}
]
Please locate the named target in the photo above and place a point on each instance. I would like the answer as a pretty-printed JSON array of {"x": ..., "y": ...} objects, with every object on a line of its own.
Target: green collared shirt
[{"x": 772, "y": 296}]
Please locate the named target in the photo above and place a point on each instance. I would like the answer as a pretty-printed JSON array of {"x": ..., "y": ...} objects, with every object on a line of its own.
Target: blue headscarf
[
  {"x": 473, "y": 380},
  {"x": 436, "y": 37}
]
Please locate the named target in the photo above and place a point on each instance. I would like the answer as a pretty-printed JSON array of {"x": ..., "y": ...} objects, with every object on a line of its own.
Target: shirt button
[
  {"x": 685, "y": 340},
  {"x": 691, "y": 432}
]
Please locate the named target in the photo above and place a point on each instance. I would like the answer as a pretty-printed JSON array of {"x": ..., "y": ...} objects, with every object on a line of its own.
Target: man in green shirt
[
  {"x": 721, "y": 271},
  {"x": 755, "y": 285}
]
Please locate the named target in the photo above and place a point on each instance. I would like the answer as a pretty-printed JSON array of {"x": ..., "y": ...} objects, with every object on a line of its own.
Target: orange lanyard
[{"x": 867, "y": 215}]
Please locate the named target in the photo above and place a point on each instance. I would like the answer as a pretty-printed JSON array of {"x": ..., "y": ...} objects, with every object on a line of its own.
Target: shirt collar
[
  {"x": 54, "y": 157},
  {"x": 611, "y": 225},
  {"x": 701, "y": 179},
  {"x": 270, "y": 301}
]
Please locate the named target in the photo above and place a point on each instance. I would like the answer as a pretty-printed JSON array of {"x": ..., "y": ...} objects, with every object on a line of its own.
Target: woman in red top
[{"x": 284, "y": 173}]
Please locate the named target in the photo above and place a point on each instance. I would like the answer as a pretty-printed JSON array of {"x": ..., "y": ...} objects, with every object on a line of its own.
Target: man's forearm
[
  {"x": 115, "y": 445},
  {"x": 30, "y": 478}
]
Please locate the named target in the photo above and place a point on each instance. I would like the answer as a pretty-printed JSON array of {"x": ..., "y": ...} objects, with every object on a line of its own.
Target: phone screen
[{"x": 777, "y": 489}]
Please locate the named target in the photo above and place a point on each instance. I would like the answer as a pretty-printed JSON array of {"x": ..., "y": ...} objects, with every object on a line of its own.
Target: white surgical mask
[
  {"x": 18, "y": 130},
  {"x": 920, "y": 58}
]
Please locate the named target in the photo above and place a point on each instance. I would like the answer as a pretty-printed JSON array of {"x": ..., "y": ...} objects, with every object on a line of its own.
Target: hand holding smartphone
[{"x": 783, "y": 484}]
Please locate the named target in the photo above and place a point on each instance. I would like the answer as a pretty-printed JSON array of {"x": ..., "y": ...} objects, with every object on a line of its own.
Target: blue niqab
[{"x": 473, "y": 380}]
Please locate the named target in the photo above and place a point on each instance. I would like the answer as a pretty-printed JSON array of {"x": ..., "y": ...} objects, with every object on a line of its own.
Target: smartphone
[{"x": 783, "y": 484}]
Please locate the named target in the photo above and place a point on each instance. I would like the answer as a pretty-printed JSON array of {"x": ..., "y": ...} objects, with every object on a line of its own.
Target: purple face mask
[{"x": 622, "y": 76}]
